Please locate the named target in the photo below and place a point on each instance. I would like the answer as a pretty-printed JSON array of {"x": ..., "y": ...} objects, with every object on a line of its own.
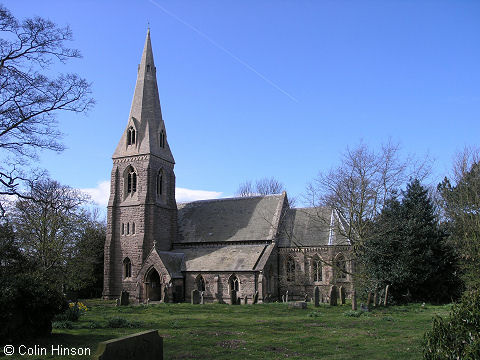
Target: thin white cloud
[
  {"x": 101, "y": 193},
  {"x": 185, "y": 195}
]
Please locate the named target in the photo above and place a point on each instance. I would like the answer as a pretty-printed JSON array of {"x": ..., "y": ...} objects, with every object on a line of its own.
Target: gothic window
[
  {"x": 290, "y": 269},
  {"x": 123, "y": 229},
  {"x": 131, "y": 180},
  {"x": 234, "y": 284},
  {"x": 127, "y": 268},
  {"x": 200, "y": 283},
  {"x": 128, "y": 228},
  {"x": 162, "y": 139},
  {"x": 160, "y": 183},
  {"x": 341, "y": 267},
  {"x": 133, "y": 228},
  {"x": 317, "y": 269},
  {"x": 131, "y": 136}
]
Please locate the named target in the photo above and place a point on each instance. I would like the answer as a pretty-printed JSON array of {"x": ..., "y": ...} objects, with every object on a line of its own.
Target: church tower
[{"x": 142, "y": 211}]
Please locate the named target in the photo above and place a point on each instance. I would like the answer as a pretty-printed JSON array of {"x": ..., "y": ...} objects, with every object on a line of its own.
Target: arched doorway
[{"x": 153, "y": 285}]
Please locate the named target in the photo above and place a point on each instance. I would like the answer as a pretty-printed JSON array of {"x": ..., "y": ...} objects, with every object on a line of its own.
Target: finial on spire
[{"x": 148, "y": 25}]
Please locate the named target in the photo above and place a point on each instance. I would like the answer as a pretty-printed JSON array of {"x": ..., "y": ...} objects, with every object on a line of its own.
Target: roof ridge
[{"x": 229, "y": 198}]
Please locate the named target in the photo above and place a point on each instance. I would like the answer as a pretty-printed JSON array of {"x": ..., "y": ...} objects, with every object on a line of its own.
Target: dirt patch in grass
[
  {"x": 315, "y": 324},
  {"x": 231, "y": 344},
  {"x": 282, "y": 350}
]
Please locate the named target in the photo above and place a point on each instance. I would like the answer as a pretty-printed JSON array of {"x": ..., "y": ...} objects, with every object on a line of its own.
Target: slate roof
[
  {"x": 318, "y": 226},
  {"x": 174, "y": 262},
  {"x": 229, "y": 258},
  {"x": 230, "y": 220}
]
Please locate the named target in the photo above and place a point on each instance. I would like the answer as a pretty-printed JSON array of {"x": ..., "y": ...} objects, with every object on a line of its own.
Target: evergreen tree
[{"x": 407, "y": 250}]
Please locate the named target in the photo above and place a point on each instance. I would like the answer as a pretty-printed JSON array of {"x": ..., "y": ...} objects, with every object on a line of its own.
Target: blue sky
[{"x": 271, "y": 88}]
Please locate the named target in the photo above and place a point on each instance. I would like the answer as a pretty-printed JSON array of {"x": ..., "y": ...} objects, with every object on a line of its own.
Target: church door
[{"x": 154, "y": 286}]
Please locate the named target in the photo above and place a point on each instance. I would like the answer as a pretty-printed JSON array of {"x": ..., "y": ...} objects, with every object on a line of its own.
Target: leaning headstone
[
  {"x": 255, "y": 297},
  {"x": 202, "y": 299},
  {"x": 354, "y": 300},
  {"x": 147, "y": 345},
  {"x": 124, "y": 298},
  {"x": 297, "y": 305},
  {"x": 341, "y": 290},
  {"x": 233, "y": 297},
  {"x": 286, "y": 296},
  {"x": 375, "y": 299},
  {"x": 316, "y": 296},
  {"x": 195, "y": 297},
  {"x": 306, "y": 297},
  {"x": 333, "y": 295},
  {"x": 387, "y": 289}
]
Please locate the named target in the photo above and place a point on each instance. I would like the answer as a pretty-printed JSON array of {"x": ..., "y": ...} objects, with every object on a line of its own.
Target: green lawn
[{"x": 263, "y": 331}]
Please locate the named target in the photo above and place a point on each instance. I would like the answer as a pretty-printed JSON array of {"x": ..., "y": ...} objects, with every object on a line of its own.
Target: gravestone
[
  {"x": 375, "y": 299},
  {"x": 202, "y": 300},
  {"x": 286, "y": 296},
  {"x": 147, "y": 345},
  {"x": 316, "y": 296},
  {"x": 354, "y": 300},
  {"x": 124, "y": 298},
  {"x": 245, "y": 300},
  {"x": 305, "y": 298},
  {"x": 255, "y": 297},
  {"x": 387, "y": 289},
  {"x": 297, "y": 305},
  {"x": 342, "y": 295},
  {"x": 333, "y": 295},
  {"x": 283, "y": 298},
  {"x": 369, "y": 299},
  {"x": 195, "y": 297},
  {"x": 117, "y": 302},
  {"x": 165, "y": 294},
  {"x": 233, "y": 297}
]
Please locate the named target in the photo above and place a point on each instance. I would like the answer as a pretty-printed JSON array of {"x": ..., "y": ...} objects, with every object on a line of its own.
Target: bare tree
[
  {"x": 358, "y": 188},
  {"x": 48, "y": 227},
  {"x": 264, "y": 186},
  {"x": 30, "y": 97}
]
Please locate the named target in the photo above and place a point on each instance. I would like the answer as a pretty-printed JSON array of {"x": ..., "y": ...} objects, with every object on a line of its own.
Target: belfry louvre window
[
  {"x": 127, "y": 268},
  {"x": 131, "y": 136},
  {"x": 290, "y": 269},
  {"x": 160, "y": 183},
  {"x": 131, "y": 181},
  {"x": 162, "y": 139}
]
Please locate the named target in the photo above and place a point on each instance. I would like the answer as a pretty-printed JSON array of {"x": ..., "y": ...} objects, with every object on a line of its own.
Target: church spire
[{"x": 145, "y": 132}]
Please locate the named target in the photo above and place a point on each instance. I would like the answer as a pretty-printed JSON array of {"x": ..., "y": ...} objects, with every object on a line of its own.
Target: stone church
[{"x": 158, "y": 250}]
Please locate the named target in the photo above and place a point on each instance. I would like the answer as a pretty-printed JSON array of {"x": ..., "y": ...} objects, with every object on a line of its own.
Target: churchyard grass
[{"x": 262, "y": 331}]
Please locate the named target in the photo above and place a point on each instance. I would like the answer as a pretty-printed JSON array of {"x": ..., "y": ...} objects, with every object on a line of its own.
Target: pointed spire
[{"x": 145, "y": 114}]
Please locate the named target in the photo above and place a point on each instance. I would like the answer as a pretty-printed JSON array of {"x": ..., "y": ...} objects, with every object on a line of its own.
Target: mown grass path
[{"x": 263, "y": 331}]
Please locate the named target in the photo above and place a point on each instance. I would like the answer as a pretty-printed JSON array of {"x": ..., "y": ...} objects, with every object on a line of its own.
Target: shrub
[
  {"x": 353, "y": 313},
  {"x": 458, "y": 336},
  {"x": 62, "y": 324},
  {"x": 72, "y": 313}
]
